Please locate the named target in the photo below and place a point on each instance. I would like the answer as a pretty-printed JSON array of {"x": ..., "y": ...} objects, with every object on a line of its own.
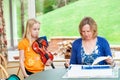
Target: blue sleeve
[
  {"x": 73, "y": 58},
  {"x": 106, "y": 47},
  {"x": 75, "y": 53}
]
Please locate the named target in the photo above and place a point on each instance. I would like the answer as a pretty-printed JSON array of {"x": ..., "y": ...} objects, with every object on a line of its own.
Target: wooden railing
[{"x": 54, "y": 43}]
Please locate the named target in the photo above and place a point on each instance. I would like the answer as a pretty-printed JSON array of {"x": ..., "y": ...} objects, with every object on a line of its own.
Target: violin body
[
  {"x": 40, "y": 47},
  {"x": 47, "y": 56}
]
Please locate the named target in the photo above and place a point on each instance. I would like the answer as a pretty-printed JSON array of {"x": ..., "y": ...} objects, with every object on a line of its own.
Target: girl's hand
[{"x": 26, "y": 76}]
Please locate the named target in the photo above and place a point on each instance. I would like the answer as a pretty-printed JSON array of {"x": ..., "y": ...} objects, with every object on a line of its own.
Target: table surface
[{"x": 58, "y": 73}]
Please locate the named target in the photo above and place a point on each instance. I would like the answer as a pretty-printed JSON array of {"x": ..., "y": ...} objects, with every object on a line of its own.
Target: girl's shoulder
[
  {"x": 23, "y": 43},
  {"x": 24, "y": 40}
]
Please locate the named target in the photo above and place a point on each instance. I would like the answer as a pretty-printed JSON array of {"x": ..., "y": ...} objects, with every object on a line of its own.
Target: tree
[{"x": 62, "y": 3}]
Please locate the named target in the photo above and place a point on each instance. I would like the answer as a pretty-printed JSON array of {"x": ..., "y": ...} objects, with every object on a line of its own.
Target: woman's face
[
  {"x": 86, "y": 32},
  {"x": 35, "y": 30}
]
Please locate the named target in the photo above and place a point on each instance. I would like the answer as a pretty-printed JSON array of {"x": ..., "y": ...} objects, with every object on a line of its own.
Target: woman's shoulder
[
  {"x": 101, "y": 38},
  {"x": 77, "y": 41}
]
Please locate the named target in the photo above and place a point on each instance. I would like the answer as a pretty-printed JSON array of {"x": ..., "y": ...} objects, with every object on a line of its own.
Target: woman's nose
[{"x": 86, "y": 33}]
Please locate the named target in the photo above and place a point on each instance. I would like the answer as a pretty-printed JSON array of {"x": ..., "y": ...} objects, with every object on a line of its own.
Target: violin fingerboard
[{"x": 46, "y": 55}]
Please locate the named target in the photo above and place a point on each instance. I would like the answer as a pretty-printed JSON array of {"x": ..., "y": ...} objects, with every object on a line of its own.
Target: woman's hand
[
  {"x": 66, "y": 64},
  {"x": 110, "y": 61}
]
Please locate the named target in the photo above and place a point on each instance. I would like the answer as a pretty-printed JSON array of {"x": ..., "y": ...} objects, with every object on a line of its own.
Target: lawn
[{"x": 64, "y": 21}]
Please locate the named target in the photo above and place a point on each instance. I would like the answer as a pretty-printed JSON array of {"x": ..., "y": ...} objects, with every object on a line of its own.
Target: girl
[{"x": 30, "y": 61}]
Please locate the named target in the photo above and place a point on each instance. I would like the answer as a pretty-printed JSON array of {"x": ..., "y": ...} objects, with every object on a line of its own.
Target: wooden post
[{"x": 31, "y": 8}]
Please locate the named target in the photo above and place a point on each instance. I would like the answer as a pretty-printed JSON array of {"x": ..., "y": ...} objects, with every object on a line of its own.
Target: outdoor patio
[{"x": 58, "y": 60}]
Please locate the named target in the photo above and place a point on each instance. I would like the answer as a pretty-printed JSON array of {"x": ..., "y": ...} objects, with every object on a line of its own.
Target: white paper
[
  {"x": 99, "y": 59},
  {"x": 75, "y": 71}
]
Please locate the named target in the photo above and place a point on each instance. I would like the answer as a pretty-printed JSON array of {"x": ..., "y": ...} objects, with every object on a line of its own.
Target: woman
[
  {"x": 90, "y": 46},
  {"x": 30, "y": 61}
]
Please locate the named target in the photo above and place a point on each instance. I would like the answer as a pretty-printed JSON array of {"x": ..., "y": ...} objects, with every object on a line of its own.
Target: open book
[{"x": 99, "y": 59}]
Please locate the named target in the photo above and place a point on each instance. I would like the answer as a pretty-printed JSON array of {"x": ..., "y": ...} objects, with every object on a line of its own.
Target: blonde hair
[
  {"x": 29, "y": 25},
  {"x": 91, "y": 22}
]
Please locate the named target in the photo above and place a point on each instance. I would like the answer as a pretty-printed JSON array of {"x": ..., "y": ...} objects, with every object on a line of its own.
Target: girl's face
[
  {"x": 86, "y": 32},
  {"x": 35, "y": 30}
]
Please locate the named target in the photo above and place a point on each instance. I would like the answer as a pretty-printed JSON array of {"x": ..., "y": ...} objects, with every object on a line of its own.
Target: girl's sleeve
[{"x": 21, "y": 45}]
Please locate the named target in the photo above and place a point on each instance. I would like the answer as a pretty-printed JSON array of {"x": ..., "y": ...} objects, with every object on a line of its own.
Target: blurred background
[
  {"x": 61, "y": 17},
  {"x": 59, "y": 22}
]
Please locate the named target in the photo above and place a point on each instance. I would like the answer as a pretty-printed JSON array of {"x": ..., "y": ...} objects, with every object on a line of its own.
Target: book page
[{"x": 99, "y": 59}]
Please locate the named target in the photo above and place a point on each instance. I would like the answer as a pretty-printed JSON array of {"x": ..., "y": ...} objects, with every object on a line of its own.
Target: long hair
[
  {"x": 29, "y": 25},
  {"x": 91, "y": 22}
]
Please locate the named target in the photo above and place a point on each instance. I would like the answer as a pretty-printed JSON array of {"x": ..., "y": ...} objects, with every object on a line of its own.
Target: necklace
[{"x": 89, "y": 46}]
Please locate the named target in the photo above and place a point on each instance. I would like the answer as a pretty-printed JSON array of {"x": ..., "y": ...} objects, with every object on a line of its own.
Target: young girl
[{"x": 30, "y": 61}]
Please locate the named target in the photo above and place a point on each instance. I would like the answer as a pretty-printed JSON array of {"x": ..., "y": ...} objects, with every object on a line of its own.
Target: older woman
[{"x": 90, "y": 46}]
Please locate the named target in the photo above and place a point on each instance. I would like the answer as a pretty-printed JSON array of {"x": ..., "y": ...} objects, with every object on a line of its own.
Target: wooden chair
[
  {"x": 4, "y": 63},
  {"x": 5, "y": 75},
  {"x": 3, "y": 72}
]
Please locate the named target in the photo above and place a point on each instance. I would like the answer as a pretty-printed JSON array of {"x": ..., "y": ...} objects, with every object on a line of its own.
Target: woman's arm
[
  {"x": 21, "y": 61},
  {"x": 73, "y": 58},
  {"x": 108, "y": 53}
]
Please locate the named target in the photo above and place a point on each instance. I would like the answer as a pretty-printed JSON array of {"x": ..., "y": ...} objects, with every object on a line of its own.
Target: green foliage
[
  {"x": 48, "y": 5},
  {"x": 64, "y": 21},
  {"x": 44, "y": 6},
  {"x": 48, "y": 9}
]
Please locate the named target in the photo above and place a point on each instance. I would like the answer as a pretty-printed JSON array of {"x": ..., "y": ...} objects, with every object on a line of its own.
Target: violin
[{"x": 40, "y": 46}]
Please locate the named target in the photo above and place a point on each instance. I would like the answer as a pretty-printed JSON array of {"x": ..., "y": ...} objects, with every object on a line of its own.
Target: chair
[
  {"x": 3, "y": 71},
  {"x": 4, "y": 74},
  {"x": 4, "y": 63}
]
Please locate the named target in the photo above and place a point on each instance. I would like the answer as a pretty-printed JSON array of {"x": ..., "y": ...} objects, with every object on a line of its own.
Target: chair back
[
  {"x": 3, "y": 61},
  {"x": 3, "y": 72}
]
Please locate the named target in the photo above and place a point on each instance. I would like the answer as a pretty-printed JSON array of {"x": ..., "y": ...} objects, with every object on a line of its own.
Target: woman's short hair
[{"x": 91, "y": 22}]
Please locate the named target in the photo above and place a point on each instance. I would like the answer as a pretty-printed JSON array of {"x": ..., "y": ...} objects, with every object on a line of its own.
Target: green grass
[{"x": 64, "y": 21}]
